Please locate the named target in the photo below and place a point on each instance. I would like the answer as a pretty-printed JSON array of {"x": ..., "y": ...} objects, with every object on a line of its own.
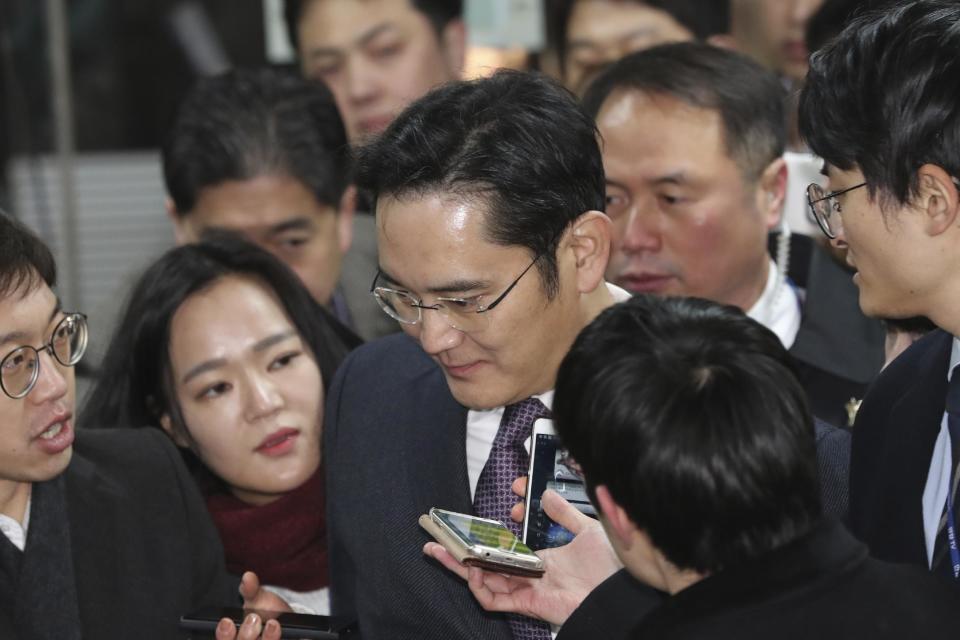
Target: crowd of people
[{"x": 386, "y": 275}]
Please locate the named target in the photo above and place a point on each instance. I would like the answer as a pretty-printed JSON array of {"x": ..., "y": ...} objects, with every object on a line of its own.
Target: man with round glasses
[
  {"x": 880, "y": 107},
  {"x": 102, "y": 533}
]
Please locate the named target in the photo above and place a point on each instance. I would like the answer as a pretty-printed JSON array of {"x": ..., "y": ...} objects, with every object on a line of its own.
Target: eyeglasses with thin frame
[
  {"x": 20, "y": 369},
  {"x": 826, "y": 207},
  {"x": 464, "y": 314}
]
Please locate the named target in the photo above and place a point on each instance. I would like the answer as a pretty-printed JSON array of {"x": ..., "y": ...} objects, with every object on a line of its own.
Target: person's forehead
[
  {"x": 594, "y": 21},
  {"x": 26, "y": 312},
  {"x": 339, "y": 24},
  {"x": 258, "y": 204},
  {"x": 636, "y": 111}
]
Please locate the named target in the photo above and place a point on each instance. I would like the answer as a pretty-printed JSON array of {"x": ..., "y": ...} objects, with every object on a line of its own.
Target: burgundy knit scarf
[{"x": 284, "y": 542}]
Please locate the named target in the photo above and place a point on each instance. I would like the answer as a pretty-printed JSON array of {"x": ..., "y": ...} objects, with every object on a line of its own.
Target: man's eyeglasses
[
  {"x": 826, "y": 207},
  {"x": 20, "y": 369},
  {"x": 464, "y": 314}
]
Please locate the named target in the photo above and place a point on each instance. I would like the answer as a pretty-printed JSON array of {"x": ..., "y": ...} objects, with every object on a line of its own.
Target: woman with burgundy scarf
[{"x": 223, "y": 349}]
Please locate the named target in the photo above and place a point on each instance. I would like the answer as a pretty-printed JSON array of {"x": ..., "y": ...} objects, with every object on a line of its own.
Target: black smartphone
[
  {"x": 293, "y": 625},
  {"x": 551, "y": 467}
]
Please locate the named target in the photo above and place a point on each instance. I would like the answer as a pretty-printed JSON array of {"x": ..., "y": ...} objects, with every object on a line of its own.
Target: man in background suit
[
  {"x": 492, "y": 251},
  {"x": 889, "y": 134},
  {"x": 693, "y": 138},
  {"x": 102, "y": 534}
]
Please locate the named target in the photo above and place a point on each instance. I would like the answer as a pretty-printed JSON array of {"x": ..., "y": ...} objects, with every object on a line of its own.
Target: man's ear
[
  {"x": 348, "y": 206},
  {"x": 589, "y": 238},
  {"x": 183, "y": 232},
  {"x": 453, "y": 42},
  {"x": 175, "y": 434},
  {"x": 618, "y": 522},
  {"x": 772, "y": 192},
  {"x": 937, "y": 199}
]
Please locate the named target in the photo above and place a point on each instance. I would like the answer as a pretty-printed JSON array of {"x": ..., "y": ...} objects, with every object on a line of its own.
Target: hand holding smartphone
[
  {"x": 551, "y": 467},
  {"x": 483, "y": 543}
]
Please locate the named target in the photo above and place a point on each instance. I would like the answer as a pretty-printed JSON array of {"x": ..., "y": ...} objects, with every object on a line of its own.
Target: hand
[
  {"x": 254, "y": 597},
  {"x": 572, "y": 571}
]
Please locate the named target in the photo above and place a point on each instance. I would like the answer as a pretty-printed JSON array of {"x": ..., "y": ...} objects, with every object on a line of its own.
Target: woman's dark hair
[
  {"x": 135, "y": 387},
  {"x": 690, "y": 415}
]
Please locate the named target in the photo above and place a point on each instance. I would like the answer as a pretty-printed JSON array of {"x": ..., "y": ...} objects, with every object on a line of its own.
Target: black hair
[
  {"x": 135, "y": 387},
  {"x": 689, "y": 413},
  {"x": 517, "y": 143},
  {"x": 251, "y": 122},
  {"x": 882, "y": 97},
  {"x": 702, "y": 19},
  {"x": 749, "y": 99},
  {"x": 438, "y": 12},
  {"x": 25, "y": 261},
  {"x": 831, "y": 18}
]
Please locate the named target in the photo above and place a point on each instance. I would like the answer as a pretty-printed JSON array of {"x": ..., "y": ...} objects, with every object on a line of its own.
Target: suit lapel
[{"x": 92, "y": 508}]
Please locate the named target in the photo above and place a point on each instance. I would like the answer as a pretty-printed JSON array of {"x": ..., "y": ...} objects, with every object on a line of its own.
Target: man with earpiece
[{"x": 692, "y": 143}]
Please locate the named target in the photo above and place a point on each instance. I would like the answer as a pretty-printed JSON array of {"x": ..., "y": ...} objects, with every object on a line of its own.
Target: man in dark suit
[
  {"x": 890, "y": 140},
  {"x": 492, "y": 250},
  {"x": 103, "y": 533},
  {"x": 693, "y": 139},
  {"x": 705, "y": 479}
]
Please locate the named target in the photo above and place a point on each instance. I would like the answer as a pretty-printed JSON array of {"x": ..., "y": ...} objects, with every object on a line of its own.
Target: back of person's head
[
  {"x": 25, "y": 261},
  {"x": 516, "y": 142},
  {"x": 882, "y": 97},
  {"x": 438, "y": 12},
  {"x": 831, "y": 18},
  {"x": 135, "y": 386},
  {"x": 749, "y": 99},
  {"x": 248, "y": 123},
  {"x": 690, "y": 415}
]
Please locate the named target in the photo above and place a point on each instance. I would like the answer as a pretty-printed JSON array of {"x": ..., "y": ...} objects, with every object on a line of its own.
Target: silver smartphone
[
  {"x": 551, "y": 467},
  {"x": 481, "y": 542}
]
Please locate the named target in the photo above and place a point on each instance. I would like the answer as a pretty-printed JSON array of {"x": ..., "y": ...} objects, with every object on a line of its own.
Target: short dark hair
[
  {"x": 702, "y": 19},
  {"x": 135, "y": 386},
  {"x": 251, "y": 122},
  {"x": 689, "y": 413},
  {"x": 438, "y": 12},
  {"x": 25, "y": 261},
  {"x": 517, "y": 142},
  {"x": 749, "y": 99},
  {"x": 883, "y": 96}
]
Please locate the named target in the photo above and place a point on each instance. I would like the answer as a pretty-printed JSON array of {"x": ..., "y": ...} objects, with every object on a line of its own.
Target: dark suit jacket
[
  {"x": 394, "y": 446},
  {"x": 893, "y": 440},
  {"x": 822, "y": 585},
  {"x": 144, "y": 548}
]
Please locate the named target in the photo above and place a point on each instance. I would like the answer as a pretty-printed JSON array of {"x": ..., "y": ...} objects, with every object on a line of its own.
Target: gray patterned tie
[{"x": 493, "y": 498}]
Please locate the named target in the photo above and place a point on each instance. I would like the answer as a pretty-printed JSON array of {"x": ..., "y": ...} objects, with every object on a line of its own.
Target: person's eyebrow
[
  {"x": 677, "y": 177},
  {"x": 300, "y": 223},
  {"x": 362, "y": 40},
  {"x": 277, "y": 338},
  {"x": 22, "y": 336},
  {"x": 453, "y": 286},
  {"x": 618, "y": 185},
  {"x": 216, "y": 363}
]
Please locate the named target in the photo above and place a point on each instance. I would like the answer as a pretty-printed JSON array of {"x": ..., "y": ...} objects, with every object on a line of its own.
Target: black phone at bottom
[{"x": 293, "y": 625}]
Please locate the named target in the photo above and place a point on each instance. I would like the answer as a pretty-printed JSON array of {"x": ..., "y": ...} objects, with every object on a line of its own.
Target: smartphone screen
[
  {"x": 551, "y": 467},
  {"x": 483, "y": 532}
]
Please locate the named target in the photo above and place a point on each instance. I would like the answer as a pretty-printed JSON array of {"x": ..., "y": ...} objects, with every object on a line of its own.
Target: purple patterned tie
[{"x": 493, "y": 498}]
